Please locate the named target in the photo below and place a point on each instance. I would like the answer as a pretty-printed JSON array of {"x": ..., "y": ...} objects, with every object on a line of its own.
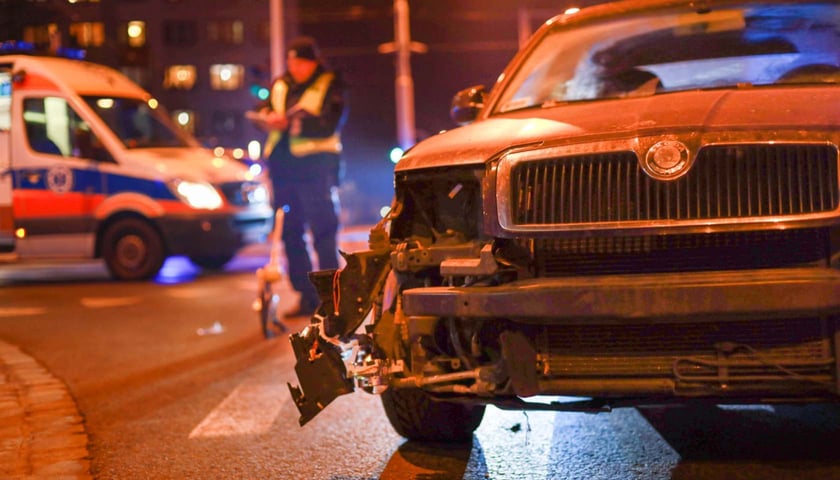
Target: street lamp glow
[
  {"x": 396, "y": 154},
  {"x": 105, "y": 103},
  {"x": 183, "y": 118},
  {"x": 254, "y": 150}
]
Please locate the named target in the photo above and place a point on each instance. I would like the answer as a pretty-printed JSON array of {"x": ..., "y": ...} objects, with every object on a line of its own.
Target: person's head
[{"x": 302, "y": 58}]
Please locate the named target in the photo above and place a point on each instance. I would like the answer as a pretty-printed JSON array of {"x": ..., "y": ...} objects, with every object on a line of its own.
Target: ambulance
[{"x": 92, "y": 167}]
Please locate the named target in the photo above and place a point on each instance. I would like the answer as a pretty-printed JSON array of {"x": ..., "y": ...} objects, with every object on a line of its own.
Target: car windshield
[
  {"x": 752, "y": 44},
  {"x": 136, "y": 123}
]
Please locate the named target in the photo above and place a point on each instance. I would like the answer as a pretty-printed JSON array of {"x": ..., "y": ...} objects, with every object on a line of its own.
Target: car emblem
[{"x": 667, "y": 160}]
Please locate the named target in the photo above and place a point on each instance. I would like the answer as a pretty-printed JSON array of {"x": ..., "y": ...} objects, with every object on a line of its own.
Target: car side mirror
[{"x": 466, "y": 104}]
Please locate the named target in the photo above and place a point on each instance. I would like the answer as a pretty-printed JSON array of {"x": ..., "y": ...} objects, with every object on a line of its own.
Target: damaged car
[{"x": 644, "y": 209}]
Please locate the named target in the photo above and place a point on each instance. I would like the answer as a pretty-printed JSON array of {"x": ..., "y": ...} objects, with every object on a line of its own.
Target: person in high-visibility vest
[{"x": 304, "y": 115}]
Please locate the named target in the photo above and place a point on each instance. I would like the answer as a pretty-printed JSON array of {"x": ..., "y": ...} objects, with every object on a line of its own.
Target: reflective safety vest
[{"x": 312, "y": 101}]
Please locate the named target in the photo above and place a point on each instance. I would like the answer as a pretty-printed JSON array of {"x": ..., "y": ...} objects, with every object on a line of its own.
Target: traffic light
[
  {"x": 259, "y": 91},
  {"x": 258, "y": 77}
]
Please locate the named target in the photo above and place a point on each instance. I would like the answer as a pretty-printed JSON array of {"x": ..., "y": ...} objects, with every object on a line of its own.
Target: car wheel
[
  {"x": 132, "y": 249},
  {"x": 212, "y": 262},
  {"x": 417, "y": 416}
]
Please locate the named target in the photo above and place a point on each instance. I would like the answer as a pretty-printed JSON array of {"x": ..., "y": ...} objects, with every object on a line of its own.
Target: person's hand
[
  {"x": 295, "y": 126},
  {"x": 276, "y": 121}
]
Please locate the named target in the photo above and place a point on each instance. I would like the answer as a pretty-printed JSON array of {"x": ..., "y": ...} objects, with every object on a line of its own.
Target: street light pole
[
  {"x": 402, "y": 46},
  {"x": 276, "y": 53},
  {"x": 404, "y": 84}
]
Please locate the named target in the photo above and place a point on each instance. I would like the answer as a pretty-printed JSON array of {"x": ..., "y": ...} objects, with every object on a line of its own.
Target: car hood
[
  {"x": 188, "y": 163},
  {"x": 694, "y": 112}
]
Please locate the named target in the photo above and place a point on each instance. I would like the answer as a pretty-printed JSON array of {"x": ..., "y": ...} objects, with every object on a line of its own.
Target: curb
[{"x": 42, "y": 433}]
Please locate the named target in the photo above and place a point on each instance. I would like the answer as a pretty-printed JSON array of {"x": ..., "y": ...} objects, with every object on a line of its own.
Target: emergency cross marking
[{"x": 60, "y": 179}]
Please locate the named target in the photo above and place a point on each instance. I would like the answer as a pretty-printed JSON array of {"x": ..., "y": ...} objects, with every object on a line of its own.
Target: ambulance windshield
[{"x": 137, "y": 123}]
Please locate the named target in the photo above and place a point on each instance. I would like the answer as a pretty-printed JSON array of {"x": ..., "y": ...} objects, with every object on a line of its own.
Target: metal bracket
[{"x": 485, "y": 264}]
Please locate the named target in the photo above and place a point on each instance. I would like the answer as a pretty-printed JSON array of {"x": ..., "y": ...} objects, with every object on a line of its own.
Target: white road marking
[
  {"x": 6, "y": 312},
  {"x": 248, "y": 410},
  {"x": 108, "y": 302}
]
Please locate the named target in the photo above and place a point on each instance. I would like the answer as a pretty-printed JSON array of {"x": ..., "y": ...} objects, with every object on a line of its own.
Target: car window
[
  {"x": 53, "y": 127},
  {"x": 752, "y": 45},
  {"x": 136, "y": 122}
]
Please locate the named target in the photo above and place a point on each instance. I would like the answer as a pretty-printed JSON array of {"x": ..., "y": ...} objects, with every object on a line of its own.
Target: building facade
[{"x": 207, "y": 61}]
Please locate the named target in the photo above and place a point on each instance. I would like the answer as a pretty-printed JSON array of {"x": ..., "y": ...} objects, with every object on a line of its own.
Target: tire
[
  {"x": 132, "y": 249},
  {"x": 416, "y": 416},
  {"x": 212, "y": 262}
]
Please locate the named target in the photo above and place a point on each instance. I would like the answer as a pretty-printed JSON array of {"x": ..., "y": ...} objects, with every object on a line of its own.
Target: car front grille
[
  {"x": 726, "y": 181},
  {"x": 679, "y": 253}
]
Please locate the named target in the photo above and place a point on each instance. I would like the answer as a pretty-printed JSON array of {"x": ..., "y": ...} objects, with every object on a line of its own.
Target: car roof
[{"x": 82, "y": 77}]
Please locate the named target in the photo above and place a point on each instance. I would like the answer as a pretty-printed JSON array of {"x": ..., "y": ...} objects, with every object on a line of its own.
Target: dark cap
[{"x": 304, "y": 47}]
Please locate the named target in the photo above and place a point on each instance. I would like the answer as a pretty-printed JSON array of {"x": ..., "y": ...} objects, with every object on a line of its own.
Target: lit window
[
  {"x": 136, "y": 31},
  {"x": 226, "y": 76},
  {"x": 181, "y": 77},
  {"x": 226, "y": 31},
  {"x": 40, "y": 35},
  {"x": 88, "y": 34},
  {"x": 185, "y": 120}
]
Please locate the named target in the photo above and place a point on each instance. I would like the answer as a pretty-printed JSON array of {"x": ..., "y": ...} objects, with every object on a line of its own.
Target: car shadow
[
  {"x": 751, "y": 432},
  {"x": 436, "y": 461}
]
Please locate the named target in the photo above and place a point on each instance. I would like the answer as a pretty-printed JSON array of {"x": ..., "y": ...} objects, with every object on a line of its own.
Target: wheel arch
[{"x": 115, "y": 217}]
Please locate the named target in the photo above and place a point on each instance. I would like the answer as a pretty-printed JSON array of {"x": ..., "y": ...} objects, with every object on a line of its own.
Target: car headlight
[
  {"x": 258, "y": 193},
  {"x": 197, "y": 194}
]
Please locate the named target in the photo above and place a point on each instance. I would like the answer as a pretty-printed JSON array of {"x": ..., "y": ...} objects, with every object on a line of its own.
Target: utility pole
[
  {"x": 404, "y": 83},
  {"x": 524, "y": 26},
  {"x": 276, "y": 32}
]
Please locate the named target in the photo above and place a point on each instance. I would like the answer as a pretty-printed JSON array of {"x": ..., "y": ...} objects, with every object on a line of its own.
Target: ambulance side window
[
  {"x": 5, "y": 100},
  {"x": 53, "y": 127}
]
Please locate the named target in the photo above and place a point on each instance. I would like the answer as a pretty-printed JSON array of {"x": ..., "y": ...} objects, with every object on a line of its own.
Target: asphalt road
[{"x": 174, "y": 380}]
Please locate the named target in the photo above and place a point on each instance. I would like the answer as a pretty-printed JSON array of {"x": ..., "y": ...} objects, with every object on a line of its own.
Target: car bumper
[
  {"x": 648, "y": 298},
  {"x": 214, "y": 234}
]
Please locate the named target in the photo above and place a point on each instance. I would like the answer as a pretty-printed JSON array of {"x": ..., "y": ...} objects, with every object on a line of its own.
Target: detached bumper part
[{"x": 321, "y": 373}]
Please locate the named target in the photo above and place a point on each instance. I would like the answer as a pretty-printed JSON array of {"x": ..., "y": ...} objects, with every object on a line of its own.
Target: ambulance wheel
[
  {"x": 132, "y": 249},
  {"x": 212, "y": 262}
]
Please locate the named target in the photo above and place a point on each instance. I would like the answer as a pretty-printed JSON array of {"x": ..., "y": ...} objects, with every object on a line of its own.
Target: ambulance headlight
[{"x": 197, "y": 194}]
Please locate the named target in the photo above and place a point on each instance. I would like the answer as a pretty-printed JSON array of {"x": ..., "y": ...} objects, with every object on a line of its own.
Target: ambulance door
[
  {"x": 59, "y": 185},
  {"x": 7, "y": 238}
]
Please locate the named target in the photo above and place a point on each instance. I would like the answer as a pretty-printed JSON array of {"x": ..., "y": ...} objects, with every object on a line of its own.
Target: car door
[{"x": 57, "y": 187}]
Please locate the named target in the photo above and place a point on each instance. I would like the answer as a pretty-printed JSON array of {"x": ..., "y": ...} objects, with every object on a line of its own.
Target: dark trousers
[{"x": 308, "y": 203}]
